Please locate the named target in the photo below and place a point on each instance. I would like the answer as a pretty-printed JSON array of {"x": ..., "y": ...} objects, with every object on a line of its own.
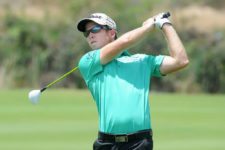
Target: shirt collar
[{"x": 124, "y": 53}]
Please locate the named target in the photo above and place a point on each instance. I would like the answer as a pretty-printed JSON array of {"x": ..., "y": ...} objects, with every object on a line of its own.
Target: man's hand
[{"x": 161, "y": 19}]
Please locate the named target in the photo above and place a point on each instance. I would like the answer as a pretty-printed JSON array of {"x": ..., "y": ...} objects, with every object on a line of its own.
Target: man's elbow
[{"x": 183, "y": 63}]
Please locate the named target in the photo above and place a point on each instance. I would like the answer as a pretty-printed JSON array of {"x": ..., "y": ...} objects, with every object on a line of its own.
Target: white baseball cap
[{"x": 99, "y": 18}]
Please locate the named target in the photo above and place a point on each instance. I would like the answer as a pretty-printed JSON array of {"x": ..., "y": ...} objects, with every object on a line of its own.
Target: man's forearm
[
  {"x": 128, "y": 39},
  {"x": 132, "y": 37},
  {"x": 176, "y": 48}
]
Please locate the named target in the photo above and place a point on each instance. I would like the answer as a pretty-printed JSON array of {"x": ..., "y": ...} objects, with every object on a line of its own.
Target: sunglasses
[{"x": 95, "y": 29}]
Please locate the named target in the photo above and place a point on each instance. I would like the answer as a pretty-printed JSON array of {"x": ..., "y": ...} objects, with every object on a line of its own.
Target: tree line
[{"x": 34, "y": 52}]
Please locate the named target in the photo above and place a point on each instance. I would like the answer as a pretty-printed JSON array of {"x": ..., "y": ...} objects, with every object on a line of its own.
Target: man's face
[{"x": 99, "y": 39}]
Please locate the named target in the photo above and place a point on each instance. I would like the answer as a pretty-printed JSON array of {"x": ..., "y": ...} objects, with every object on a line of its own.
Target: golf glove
[{"x": 160, "y": 20}]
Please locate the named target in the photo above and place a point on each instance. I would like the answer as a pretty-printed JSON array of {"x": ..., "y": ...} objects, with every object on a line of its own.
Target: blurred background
[{"x": 39, "y": 41}]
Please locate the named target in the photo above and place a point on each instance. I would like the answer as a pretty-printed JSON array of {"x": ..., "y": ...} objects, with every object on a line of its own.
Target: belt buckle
[{"x": 121, "y": 138}]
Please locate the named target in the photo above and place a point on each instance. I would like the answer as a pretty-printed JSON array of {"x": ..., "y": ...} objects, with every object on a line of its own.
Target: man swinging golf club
[{"x": 119, "y": 82}]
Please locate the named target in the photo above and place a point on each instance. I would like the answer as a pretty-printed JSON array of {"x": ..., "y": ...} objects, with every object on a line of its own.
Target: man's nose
[{"x": 91, "y": 35}]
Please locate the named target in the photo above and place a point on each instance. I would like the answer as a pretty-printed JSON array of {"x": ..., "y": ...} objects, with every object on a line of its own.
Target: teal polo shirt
[{"x": 121, "y": 89}]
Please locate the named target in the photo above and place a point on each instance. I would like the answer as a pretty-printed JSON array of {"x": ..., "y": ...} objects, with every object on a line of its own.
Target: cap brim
[{"x": 82, "y": 23}]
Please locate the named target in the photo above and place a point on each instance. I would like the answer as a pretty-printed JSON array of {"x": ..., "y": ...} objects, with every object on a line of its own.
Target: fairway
[{"x": 67, "y": 120}]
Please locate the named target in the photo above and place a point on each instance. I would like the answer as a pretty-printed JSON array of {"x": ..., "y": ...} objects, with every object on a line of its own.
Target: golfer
[{"x": 119, "y": 82}]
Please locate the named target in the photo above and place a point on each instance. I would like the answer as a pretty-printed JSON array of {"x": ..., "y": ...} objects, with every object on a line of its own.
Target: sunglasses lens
[{"x": 95, "y": 29}]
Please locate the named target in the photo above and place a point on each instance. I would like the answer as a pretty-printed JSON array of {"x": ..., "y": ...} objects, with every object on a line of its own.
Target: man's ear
[{"x": 113, "y": 33}]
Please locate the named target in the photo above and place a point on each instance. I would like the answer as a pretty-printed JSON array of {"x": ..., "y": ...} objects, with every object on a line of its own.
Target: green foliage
[
  {"x": 22, "y": 44},
  {"x": 31, "y": 47},
  {"x": 211, "y": 70},
  {"x": 207, "y": 57},
  {"x": 34, "y": 52}
]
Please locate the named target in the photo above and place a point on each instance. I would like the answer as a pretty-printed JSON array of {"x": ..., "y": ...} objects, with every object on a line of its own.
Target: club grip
[{"x": 166, "y": 15}]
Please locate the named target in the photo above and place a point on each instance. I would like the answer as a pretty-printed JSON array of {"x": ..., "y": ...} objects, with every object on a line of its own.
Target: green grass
[{"x": 67, "y": 120}]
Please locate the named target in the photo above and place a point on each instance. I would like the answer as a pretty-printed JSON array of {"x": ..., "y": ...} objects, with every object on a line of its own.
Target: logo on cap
[{"x": 99, "y": 18}]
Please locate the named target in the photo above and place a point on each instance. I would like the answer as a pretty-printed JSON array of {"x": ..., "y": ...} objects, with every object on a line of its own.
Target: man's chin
[{"x": 95, "y": 46}]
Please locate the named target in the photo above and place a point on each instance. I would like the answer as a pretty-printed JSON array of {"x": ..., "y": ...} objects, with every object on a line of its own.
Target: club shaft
[{"x": 60, "y": 78}]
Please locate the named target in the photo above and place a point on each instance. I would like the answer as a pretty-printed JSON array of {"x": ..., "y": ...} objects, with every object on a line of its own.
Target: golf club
[{"x": 34, "y": 95}]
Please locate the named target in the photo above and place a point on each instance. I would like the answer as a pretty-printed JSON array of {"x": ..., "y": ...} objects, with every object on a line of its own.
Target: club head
[{"x": 34, "y": 96}]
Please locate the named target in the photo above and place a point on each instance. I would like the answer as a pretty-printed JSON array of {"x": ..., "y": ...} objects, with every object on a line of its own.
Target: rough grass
[{"x": 67, "y": 119}]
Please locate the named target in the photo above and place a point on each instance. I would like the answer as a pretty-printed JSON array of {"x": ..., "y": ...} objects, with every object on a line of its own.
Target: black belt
[{"x": 140, "y": 135}]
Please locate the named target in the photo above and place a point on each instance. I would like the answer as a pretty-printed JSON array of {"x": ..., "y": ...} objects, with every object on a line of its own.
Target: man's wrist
[
  {"x": 166, "y": 25},
  {"x": 149, "y": 24}
]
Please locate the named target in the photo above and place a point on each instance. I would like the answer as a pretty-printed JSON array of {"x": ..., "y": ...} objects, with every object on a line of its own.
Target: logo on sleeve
[{"x": 90, "y": 56}]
